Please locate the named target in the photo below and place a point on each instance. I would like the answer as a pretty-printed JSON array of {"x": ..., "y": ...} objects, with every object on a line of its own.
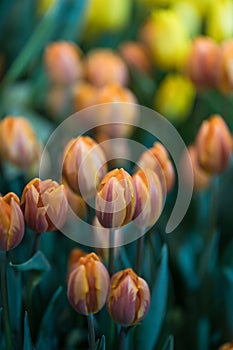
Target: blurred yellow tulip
[
  {"x": 166, "y": 38},
  {"x": 189, "y": 15},
  {"x": 219, "y": 24},
  {"x": 174, "y": 98},
  {"x": 105, "y": 15}
]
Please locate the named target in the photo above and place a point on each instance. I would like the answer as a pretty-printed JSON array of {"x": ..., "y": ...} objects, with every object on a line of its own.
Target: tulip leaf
[
  {"x": 47, "y": 338},
  {"x": 100, "y": 344},
  {"x": 37, "y": 262},
  {"x": 146, "y": 335},
  {"x": 27, "y": 340},
  {"x": 169, "y": 343}
]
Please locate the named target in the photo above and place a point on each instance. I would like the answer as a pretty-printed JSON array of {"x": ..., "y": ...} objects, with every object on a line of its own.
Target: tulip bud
[
  {"x": 18, "y": 143},
  {"x": 44, "y": 205},
  {"x": 76, "y": 202},
  {"x": 84, "y": 165},
  {"x": 213, "y": 144},
  {"x": 74, "y": 257},
  {"x": 157, "y": 159},
  {"x": 118, "y": 118},
  {"x": 63, "y": 62},
  {"x": 202, "y": 179},
  {"x": 149, "y": 197},
  {"x": 84, "y": 95},
  {"x": 103, "y": 66},
  {"x": 188, "y": 12},
  {"x": 175, "y": 107},
  {"x": 219, "y": 24},
  {"x": 88, "y": 285},
  {"x": 203, "y": 62},
  {"x": 227, "y": 346},
  {"x": 11, "y": 222},
  {"x": 136, "y": 56},
  {"x": 129, "y": 298},
  {"x": 225, "y": 72},
  {"x": 166, "y": 38},
  {"x": 115, "y": 199}
]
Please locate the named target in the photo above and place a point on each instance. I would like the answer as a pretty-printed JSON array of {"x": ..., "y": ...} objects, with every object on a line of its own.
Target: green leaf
[
  {"x": 27, "y": 340},
  {"x": 169, "y": 344},
  {"x": 37, "y": 262},
  {"x": 146, "y": 335},
  {"x": 100, "y": 344},
  {"x": 47, "y": 338}
]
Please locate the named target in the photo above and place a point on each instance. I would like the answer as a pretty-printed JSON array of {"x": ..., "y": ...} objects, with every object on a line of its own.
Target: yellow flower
[
  {"x": 175, "y": 97},
  {"x": 107, "y": 15},
  {"x": 166, "y": 38},
  {"x": 219, "y": 23}
]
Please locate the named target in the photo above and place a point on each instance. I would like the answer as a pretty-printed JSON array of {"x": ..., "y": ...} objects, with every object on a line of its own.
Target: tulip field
[{"x": 116, "y": 172}]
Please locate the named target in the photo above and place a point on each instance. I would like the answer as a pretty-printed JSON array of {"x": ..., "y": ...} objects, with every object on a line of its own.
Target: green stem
[
  {"x": 122, "y": 338},
  {"x": 211, "y": 227},
  {"x": 111, "y": 251},
  {"x": 140, "y": 245},
  {"x": 4, "y": 294},
  {"x": 91, "y": 331},
  {"x": 36, "y": 243}
]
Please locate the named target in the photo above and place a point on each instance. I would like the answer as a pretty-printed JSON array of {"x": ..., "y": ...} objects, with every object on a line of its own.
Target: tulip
[
  {"x": 149, "y": 197},
  {"x": 166, "y": 38},
  {"x": 136, "y": 56},
  {"x": 88, "y": 285},
  {"x": 129, "y": 298},
  {"x": 74, "y": 257},
  {"x": 175, "y": 108},
  {"x": 219, "y": 23},
  {"x": 113, "y": 70},
  {"x": 115, "y": 199},
  {"x": 227, "y": 346},
  {"x": 189, "y": 15},
  {"x": 44, "y": 205},
  {"x": 18, "y": 143},
  {"x": 118, "y": 112},
  {"x": 203, "y": 62},
  {"x": 11, "y": 222},
  {"x": 63, "y": 62},
  {"x": 213, "y": 144},
  {"x": 76, "y": 202},
  {"x": 84, "y": 165},
  {"x": 84, "y": 95},
  {"x": 157, "y": 159}
]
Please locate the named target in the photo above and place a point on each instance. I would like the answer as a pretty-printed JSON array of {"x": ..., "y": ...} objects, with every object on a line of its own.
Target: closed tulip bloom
[
  {"x": 63, "y": 62},
  {"x": 83, "y": 96},
  {"x": 115, "y": 199},
  {"x": 18, "y": 143},
  {"x": 129, "y": 298},
  {"x": 118, "y": 112},
  {"x": 213, "y": 144},
  {"x": 203, "y": 62},
  {"x": 88, "y": 285},
  {"x": 74, "y": 257},
  {"x": 44, "y": 205},
  {"x": 136, "y": 56},
  {"x": 103, "y": 66},
  {"x": 157, "y": 159},
  {"x": 149, "y": 197},
  {"x": 11, "y": 222},
  {"x": 84, "y": 165}
]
